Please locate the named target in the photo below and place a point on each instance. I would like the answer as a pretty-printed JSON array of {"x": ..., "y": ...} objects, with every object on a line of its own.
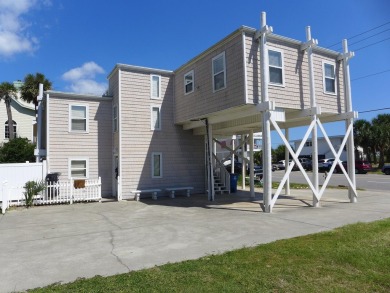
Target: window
[
  {"x": 189, "y": 82},
  {"x": 219, "y": 72},
  {"x": 78, "y": 118},
  {"x": 155, "y": 86},
  {"x": 156, "y": 118},
  {"x": 329, "y": 78},
  {"x": 275, "y": 67},
  {"x": 156, "y": 165},
  {"x": 6, "y": 129},
  {"x": 308, "y": 144},
  {"x": 115, "y": 118},
  {"x": 78, "y": 168}
]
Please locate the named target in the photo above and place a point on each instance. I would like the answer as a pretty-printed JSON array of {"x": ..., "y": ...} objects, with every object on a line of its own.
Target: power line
[
  {"x": 370, "y": 75},
  {"x": 350, "y": 38},
  {"x": 371, "y": 44},
  {"x": 376, "y": 110},
  {"x": 369, "y": 37}
]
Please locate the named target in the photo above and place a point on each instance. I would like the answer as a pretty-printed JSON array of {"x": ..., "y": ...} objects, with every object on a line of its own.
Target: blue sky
[{"x": 76, "y": 43}]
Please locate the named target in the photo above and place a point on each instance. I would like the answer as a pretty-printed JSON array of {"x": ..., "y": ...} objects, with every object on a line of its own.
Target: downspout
[
  {"x": 119, "y": 187},
  {"x": 39, "y": 126}
]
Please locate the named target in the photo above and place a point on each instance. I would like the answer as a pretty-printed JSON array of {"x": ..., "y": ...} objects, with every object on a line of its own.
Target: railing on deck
[{"x": 55, "y": 193}]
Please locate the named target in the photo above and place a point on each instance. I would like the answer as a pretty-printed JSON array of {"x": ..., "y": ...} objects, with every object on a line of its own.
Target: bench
[
  {"x": 137, "y": 193},
  {"x": 172, "y": 190}
]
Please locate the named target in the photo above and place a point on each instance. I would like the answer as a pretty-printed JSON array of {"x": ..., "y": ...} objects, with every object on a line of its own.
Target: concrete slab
[{"x": 44, "y": 245}]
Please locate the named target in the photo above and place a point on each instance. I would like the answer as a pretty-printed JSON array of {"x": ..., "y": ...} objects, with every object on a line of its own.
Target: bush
[
  {"x": 18, "y": 150},
  {"x": 32, "y": 188}
]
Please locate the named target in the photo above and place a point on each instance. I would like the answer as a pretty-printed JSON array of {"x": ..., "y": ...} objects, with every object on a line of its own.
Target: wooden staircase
[{"x": 219, "y": 187}]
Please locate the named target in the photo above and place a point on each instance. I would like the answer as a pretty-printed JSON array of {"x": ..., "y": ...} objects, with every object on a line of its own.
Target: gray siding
[
  {"x": 182, "y": 153},
  {"x": 96, "y": 145},
  {"x": 203, "y": 100},
  {"x": 295, "y": 94}
]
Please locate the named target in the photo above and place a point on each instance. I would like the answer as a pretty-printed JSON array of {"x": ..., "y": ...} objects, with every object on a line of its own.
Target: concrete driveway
[{"x": 43, "y": 245}]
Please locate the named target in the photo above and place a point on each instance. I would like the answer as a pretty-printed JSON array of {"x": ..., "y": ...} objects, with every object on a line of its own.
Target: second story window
[
  {"x": 155, "y": 86},
  {"x": 115, "y": 118},
  {"x": 219, "y": 72},
  {"x": 156, "y": 118},
  {"x": 189, "y": 82},
  {"x": 329, "y": 78},
  {"x": 78, "y": 118},
  {"x": 275, "y": 59}
]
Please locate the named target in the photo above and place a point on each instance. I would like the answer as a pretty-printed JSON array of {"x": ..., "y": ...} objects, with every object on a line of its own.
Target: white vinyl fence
[{"x": 55, "y": 193}]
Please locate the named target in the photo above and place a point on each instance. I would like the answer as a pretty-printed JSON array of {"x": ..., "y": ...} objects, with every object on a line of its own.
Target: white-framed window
[
  {"x": 115, "y": 118},
  {"x": 157, "y": 165},
  {"x": 275, "y": 60},
  {"x": 189, "y": 82},
  {"x": 78, "y": 118},
  {"x": 6, "y": 129},
  {"x": 329, "y": 73},
  {"x": 78, "y": 168},
  {"x": 155, "y": 114},
  {"x": 219, "y": 72},
  {"x": 155, "y": 86}
]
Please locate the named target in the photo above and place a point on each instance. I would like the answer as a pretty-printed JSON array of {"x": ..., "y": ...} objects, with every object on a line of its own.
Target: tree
[
  {"x": 18, "y": 150},
  {"x": 363, "y": 136},
  {"x": 279, "y": 153},
  {"x": 30, "y": 88},
  {"x": 7, "y": 92},
  {"x": 381, "y": 132}
]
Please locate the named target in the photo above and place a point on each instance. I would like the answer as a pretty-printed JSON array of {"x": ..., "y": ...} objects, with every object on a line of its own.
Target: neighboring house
[
  {"x": 23, "y": 115},
  {"x": 152, "y": 127},
  {"x": 324, "y": 151}
]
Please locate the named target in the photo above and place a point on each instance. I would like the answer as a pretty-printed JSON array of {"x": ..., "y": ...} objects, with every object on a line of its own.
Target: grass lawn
[{"x": 354, "y": 258}]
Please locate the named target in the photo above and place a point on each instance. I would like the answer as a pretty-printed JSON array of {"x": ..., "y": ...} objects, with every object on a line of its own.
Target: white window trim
[
  {"x": 161, "y": 164},
  {"x": 70, "y": 167},
  {"x": 224, "y": 71},
  {"x": 193, "y": 82},
  {"x": 323, "y": 78},
  {"x": 15, "y": 126},
  {"x": 115, "y": 120},
  {"x": 283, "y": 71},
  {"x": 151, "y": 117},
  {"x": 87, "y": 118},
  {"x": 151, "y": 87}
]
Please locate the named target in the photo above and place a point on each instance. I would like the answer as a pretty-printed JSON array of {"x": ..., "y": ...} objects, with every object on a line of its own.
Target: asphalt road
[{"x": 377, "y": 182}]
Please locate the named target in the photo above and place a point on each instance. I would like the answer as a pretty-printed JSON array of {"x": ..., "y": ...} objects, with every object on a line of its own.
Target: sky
[{"x": 76, "y": 43}]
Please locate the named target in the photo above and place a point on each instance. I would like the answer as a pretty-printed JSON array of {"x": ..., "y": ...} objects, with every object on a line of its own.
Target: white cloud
[
  {"x": 87, "y": 70},
  {"x": 82, "y": 79},
  {"x": 13, "y": 38}
]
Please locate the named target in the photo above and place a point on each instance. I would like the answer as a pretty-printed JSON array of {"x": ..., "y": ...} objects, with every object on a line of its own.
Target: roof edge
[
  {"x": 139, "y": 68},
  {"x": 76, "y": 95}
]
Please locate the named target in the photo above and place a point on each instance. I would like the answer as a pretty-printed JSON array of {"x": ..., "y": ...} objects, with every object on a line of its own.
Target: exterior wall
[
  {"x": 295, "y": 94},
  {"x": 203, "y": 100},
  {"x": 96, "y": 145},
  {"x": 22, "y": 116},
  {"x": 182, "y": 152},
  {"x": 323, "y": 148}
]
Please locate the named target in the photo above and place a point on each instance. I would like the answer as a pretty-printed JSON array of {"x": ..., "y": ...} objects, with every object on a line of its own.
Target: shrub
[
  {"x": 32, "y": 188},
  {"x": 17, "y": 150}
]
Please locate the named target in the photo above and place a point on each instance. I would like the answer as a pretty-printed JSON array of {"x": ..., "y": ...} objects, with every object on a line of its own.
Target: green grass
[{"x": 354, "y": 258}]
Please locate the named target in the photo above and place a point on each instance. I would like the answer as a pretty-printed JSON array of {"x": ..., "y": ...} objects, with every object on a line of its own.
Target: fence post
[
  {"x": 4, "y": 200},
  {"x": 100, "y": 189},
  {"x": 71, "y": 190}
]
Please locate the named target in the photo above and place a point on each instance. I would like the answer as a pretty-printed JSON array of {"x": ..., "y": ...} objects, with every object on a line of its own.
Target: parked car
[
  {"x": 238, "y": 168},
  {"x": 386, "y": 169},
  {"x": 281, "y": 165},
  {"x": 325, "y": 164},
  {"x": 306, "y": 163},
  {"x": 360, "y": 167}
]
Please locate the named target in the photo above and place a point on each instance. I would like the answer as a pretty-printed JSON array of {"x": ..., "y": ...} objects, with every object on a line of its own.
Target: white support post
[
  {"x": 286, "y": 159},
  {"x": 349, "y": 121},
  {"x": 313, "y": 103},
  {"x": 267, "y": 159},
  {"x": 232, "y": 158},
  {"x": 243, "y": 164},
  {"x": 39, "y": 123},
  {"x": 211, "y": 193},
  {"x": 251, "y": 165}
]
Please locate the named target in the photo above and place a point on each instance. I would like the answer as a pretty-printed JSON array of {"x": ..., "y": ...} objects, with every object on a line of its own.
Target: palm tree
[
  {"x": 362, "y": 133},
  {"x": 30, "y": 88},
  {"x": 7, "y": 92},
  {"x": 381, "y": 132}
]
